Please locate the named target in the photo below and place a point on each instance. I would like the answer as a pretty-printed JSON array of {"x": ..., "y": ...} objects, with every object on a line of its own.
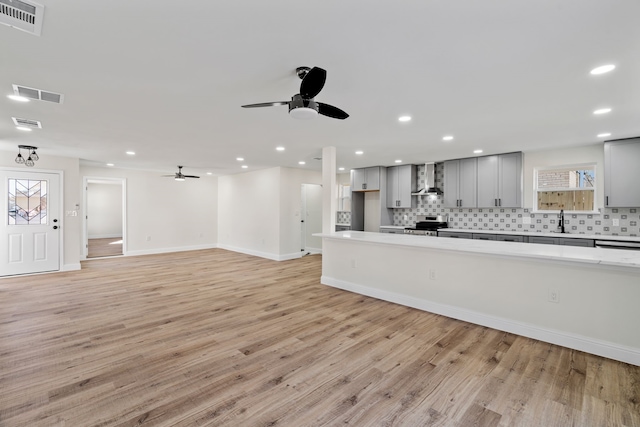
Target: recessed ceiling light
[
  {"x": 209, "y": 173},
  {"x": 280, "y": 148},
  {"x": 603, "y": 69},
  {"x": 18, "y": 98},
  {"x": 602, "y": 111},
  {"x": 404, "y": 118},
  {"x": 477, "y": 151},
  {"x": 340, "y": 169},
  {"x": 359, "y": 153},
  {"x": 447, "y": 138},
  {"x": 110, "y": 164},
  {"x": 302, "y": 163},
  {"x": 398, "y": 161},
  {"x": 602, "y": 135},
  {"x": 131, "y": 153},
  {"x": 244, "y": 166},
  {"x": 24, "y": 128},
  {"x": 240, "y": 159}
]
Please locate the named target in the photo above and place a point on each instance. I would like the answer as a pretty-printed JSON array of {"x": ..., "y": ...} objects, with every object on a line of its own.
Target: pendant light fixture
[{"x": 32, "y": 157}]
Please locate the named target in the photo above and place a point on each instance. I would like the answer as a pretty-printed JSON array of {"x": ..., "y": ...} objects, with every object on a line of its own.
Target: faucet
[{"x": 561, "y": 221}]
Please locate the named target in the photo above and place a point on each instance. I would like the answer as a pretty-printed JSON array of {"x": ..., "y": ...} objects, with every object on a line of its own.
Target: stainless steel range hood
[{"x": 430, "y": 179}]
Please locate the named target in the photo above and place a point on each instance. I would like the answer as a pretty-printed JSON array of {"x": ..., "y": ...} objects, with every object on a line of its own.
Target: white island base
[{"x": 502, "y": 285}]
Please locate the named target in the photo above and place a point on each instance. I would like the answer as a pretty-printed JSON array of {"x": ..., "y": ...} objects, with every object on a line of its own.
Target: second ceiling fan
[{"x": 303, "y": 105}]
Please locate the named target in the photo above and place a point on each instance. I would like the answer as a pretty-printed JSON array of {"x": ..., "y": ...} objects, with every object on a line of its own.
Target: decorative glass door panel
[{"x": 27, "y": 202}]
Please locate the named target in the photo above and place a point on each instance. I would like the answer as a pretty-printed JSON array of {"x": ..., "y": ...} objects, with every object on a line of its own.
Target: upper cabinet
[
  {"x": 500, "y": 181},
  {"x": 460, "y": 188},
  {"x": 622, "y": 173},
  {"x": 365, "y": 179},
  {"x": 401, "y": 182}
]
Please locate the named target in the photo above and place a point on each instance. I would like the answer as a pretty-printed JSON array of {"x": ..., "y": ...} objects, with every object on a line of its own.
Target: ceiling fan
[
  {"x": 302, "y": 105},
  {"x": 179, "y": 176}
]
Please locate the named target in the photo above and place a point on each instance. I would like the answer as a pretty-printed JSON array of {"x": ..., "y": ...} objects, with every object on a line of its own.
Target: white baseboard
[
  {"x": 577, "y": 342},
  {"x": 314, "y": 251},
  {"x": 71, "y": 267},
  {"x": 267, "y": 255},
  {"x": 168, "y": 250},
  {"x": 105, "y": 236}
]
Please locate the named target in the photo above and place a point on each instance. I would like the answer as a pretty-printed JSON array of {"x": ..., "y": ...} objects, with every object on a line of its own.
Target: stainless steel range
[{"x": 427, "y": 225}]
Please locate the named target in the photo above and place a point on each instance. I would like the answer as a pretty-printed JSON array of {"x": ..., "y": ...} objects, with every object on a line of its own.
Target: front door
[{"x": 30, "y": 222}]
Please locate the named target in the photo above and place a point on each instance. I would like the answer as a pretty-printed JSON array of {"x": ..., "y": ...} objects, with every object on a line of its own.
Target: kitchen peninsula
[{"x": 581, "y": 298}]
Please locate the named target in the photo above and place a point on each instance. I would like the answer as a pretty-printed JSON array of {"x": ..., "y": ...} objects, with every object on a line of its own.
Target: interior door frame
[
  {"x": 62, "y": 213},
  {"x": 85, "y": 211}
]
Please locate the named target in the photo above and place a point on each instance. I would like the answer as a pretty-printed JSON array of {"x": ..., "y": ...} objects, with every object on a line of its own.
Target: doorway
[
  {"x": 104, "y": 221},
  {"x": 311, "y": 218},
  {"x": 31, "y": 221}
]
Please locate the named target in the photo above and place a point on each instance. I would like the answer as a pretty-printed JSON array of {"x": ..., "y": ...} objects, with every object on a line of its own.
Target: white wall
[
  {"x": 104, "y": 209},
  {"x": 259, "y": 211},
  {"x": 249, "y": 209},
  {"x": 71, "y": 225},
  {"x": 562, "y": 157},
  {"x": 174, "y": 215}
]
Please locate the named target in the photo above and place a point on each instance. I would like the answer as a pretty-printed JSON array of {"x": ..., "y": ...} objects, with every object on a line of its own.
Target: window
[
  {"x": 571, "y": 188},
  {"x": 27, "y": 202}
]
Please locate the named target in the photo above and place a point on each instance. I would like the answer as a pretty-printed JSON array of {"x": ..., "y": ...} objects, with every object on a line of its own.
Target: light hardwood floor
[
  {"x": 104, "y": 247},
  {"x": 216, "y": 338}
]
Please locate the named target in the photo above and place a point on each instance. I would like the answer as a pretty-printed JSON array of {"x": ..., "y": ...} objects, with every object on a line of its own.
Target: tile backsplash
[
  {"x": 343, "y": 217},
  {"x": 510, "y": 219}
]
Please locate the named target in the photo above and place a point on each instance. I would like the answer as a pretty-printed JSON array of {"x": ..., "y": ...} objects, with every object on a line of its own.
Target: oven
[{"x": 427, "y": 225}]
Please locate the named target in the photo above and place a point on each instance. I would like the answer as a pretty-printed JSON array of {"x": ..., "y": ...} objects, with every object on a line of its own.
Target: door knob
[
  {"x": 55, "y": 227},
  {"x": 55, "y": 220}
]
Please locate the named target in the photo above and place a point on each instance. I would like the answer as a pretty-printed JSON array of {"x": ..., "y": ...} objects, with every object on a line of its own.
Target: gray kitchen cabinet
[
  {"x": 401, "y": 182},
  {"x": 622, "y": 173},
  {"x": 460, "y": 189},
  {"x": 543, "y": 240},
  {"x": 509, "y": 238},
  {"x": 585, "y": 243},
  {"x": 500, "y": 181},
  {"x": 455, "y": 234},
  {"x": 365, "y": 179},
  {"x": 483, "y": 236}
]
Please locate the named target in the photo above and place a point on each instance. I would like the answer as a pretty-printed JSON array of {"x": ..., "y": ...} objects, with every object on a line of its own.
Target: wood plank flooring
[
  {"x": 104, "y": 247},
  {"x": 216, "y": 338}
]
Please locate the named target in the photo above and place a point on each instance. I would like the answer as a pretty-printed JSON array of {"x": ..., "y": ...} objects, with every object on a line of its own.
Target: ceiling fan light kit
[
  {"x": 179, "y": 176},
  {"x": 302, "y": 105}
]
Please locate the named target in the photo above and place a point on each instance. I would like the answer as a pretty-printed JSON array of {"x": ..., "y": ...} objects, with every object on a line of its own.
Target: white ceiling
[{"x": 167, "y": 79}]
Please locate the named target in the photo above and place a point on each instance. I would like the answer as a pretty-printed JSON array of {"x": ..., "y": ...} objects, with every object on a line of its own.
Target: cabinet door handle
[
  {"x": 499, "y": 202},
  {"x": 607, "y": 202},
  {"x": 495, "y": 202}
]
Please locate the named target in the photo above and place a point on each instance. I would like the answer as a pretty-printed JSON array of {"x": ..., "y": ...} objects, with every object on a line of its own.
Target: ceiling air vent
[
  {"x": 38, "y": 94},
  {"x": 24, "y": 15},
  {"x": 33, "y": 124}
]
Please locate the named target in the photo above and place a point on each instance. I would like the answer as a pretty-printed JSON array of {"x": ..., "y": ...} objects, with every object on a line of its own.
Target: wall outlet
[
  {"x": 526, "y": 220},
  {"x": 432, "y": 275},
  {"x": 353, "y": 263},
  {"x": 616, "y": 222},
  {"x": 406, "y": 217},
  {"x": 148, "y": 238},
  {"x": 554, "y": 295}
]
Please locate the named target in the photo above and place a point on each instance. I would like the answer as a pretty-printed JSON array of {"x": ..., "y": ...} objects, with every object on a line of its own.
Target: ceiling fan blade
[
  {"x": 313, "y": 83},
  {"x": 266, "y": 104},
  {"x": 331, "y": 111},
  {"x": 190, "y": 176}
]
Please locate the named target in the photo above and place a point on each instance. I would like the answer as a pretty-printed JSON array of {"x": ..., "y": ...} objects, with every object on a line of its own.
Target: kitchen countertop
[
  {"x": 548, "y": 234},
  {"x": 343, "y": 224},
  {"x": 394, "y": 227},
  {"x": 570, "y": 254}
]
